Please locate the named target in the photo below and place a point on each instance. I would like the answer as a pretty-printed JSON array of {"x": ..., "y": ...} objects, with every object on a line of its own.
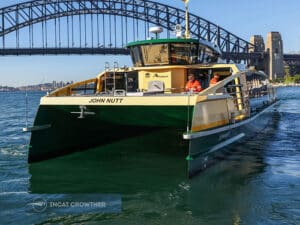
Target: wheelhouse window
[
  {"x": 157, "y": 54},
  {"x": 135, "y": 55},
  {"x": 184, "y": 54}
]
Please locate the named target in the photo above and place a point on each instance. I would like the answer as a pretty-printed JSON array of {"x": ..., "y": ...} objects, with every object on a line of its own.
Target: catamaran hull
[
  {"x": 63, "y": 129},
  {"x": 60, "y": 129},
  {"x": 205, "y": 147}
]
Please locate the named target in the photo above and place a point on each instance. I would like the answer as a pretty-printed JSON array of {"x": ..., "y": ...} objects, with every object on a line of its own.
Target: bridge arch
[{"x": 15, "y": 17}]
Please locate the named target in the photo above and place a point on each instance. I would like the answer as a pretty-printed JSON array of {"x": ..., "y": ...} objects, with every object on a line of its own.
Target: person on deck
[
  {"x": 192, "y": 84},
  {"x": 214, "y": 80}
]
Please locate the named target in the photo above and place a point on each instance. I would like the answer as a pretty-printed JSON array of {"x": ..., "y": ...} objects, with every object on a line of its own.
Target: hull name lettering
[{"x": 106, "y": 100}]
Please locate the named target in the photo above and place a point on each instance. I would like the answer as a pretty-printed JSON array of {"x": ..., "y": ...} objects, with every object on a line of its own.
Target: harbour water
[{"x": 255, "y": 183}]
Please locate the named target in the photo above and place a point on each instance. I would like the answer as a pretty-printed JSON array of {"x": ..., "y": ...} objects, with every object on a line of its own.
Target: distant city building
[{"x": 39, "y": 87}]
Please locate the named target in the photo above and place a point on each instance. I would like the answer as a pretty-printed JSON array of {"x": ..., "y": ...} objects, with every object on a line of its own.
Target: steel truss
[{"x": 16, "y": 17}]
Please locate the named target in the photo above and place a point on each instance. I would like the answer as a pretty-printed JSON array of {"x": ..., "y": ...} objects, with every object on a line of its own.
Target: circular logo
[{"x": 39, "y": 205}]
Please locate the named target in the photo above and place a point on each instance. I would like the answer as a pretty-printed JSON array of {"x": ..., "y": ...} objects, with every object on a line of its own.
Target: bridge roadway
[
  {"x": 292, "y": 59},
  {"x": 289, "y": 59}
]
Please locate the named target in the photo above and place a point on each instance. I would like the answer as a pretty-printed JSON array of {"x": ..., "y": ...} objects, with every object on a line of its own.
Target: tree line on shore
[{"x": 288, "y": 79}]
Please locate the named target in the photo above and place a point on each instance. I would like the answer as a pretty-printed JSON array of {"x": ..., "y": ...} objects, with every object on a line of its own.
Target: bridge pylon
[
  {"x": 274, "y": 60},
  {"x": 258, "y": 47}
]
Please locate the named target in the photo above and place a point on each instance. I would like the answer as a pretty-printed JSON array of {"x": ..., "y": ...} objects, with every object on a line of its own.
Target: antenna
[
  {"x": 187, "y": 24},
  {"x": 178, "y": 31}
]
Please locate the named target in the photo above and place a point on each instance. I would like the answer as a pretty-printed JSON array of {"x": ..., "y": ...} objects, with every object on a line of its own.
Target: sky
[{"x": 241, "y": 17}]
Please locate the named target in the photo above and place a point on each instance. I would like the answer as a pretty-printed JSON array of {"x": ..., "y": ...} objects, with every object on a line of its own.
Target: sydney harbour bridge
[{"x": 44, "y": 27}]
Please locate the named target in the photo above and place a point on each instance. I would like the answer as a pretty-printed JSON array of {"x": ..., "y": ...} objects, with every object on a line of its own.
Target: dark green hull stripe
[{"x": 109, "y": 124}]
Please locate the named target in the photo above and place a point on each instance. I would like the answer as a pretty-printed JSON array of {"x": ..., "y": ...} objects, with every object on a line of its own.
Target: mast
[{"x": 187, "y": 24}]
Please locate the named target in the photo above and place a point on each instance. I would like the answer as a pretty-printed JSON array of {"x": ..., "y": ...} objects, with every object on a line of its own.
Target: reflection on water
[
  {"x": 256, "y": 183},
  {"x": 126, "y": 166}
]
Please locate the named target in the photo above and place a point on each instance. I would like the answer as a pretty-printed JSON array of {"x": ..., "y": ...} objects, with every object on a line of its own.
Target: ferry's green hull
[{"x": 64, "y": 132}]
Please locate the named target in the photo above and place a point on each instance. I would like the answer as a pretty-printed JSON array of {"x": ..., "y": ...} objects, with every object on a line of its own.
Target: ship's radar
[{"x": 156, "y": 30}]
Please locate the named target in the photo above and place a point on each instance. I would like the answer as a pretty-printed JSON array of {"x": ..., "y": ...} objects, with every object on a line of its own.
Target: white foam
[
  {"x": 15, "y": 180},
  {"x": 5, "y": 151},
  {"x": 14, "y": 193}
]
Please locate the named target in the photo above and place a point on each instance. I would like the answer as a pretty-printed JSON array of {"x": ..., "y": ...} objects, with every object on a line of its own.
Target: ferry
[{"x": 151, "y": 96}]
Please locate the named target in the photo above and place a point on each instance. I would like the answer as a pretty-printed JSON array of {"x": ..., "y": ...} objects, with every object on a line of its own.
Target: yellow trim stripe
[
  {"x": 209, "y": 125},
  {"x": 121, "y": 100}
]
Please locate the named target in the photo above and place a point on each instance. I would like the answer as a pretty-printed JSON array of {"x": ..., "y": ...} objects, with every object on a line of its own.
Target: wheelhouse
[{"x": 158, "y": 52}]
